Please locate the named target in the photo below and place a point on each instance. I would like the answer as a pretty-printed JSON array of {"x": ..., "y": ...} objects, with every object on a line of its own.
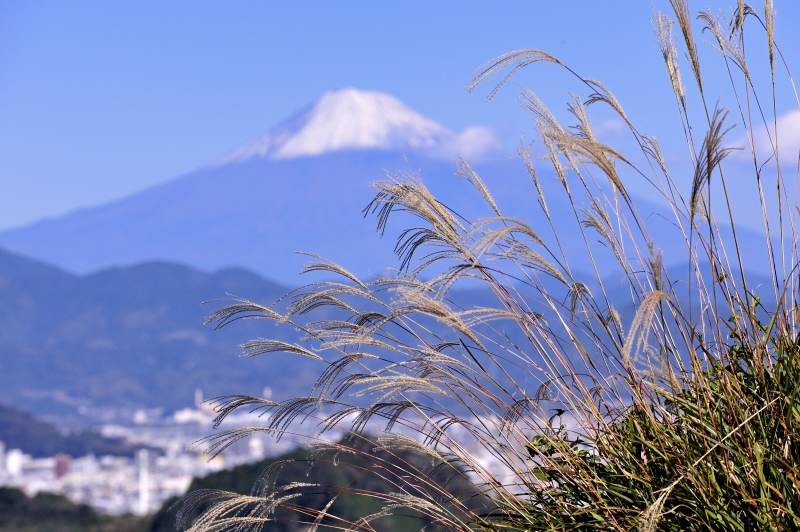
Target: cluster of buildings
[
  {"x": 137, "y": 484},
  {"x": 174, "y": 455},
  {"x": 110, "y": 484}
]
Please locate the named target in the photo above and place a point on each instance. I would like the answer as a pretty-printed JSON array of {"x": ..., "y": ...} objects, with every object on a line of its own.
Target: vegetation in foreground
[{"x": 686, "y": 419}]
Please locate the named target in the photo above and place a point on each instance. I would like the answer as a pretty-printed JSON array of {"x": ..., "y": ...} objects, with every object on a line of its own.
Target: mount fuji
[
  {"x": 360, "y": 120},
  {"x": 300, "y": 187}
]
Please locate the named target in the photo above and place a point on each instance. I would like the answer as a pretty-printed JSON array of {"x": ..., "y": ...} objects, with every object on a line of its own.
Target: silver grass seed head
[{"x": 637, "y": 334}]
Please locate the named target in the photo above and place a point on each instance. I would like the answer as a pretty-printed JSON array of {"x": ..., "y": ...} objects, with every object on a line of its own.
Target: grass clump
[
  {"x": 717, "y": 451},
  {"x": 556, "y": 415}
]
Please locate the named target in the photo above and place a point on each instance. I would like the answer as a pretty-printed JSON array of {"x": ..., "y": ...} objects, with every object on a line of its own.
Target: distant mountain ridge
[
  {"x": 128, "y": 338},
  {"x": 20, "y": 430},
  {"x": 106, "y": 344}
]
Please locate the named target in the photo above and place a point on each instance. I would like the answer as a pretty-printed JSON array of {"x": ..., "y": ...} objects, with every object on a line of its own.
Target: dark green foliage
[
  {"x": 53, "y": 513},
  {"x": 21, "y": 430},
  {"x": 725, "y": 457}
]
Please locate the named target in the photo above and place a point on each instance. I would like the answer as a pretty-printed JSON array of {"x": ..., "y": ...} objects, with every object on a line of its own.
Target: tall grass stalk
[{"x": 560, "y": 414}]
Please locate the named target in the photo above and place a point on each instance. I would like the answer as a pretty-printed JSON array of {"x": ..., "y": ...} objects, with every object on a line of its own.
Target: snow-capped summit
[{"x": 362, "y": 120}]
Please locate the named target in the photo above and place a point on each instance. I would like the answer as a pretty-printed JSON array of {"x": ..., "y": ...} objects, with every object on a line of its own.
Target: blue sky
[{"x": 101, "y": 99}]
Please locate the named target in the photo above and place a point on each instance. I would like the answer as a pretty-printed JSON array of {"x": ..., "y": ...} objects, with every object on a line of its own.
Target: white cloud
[
  {"x": 473, "y": 143},
  {"x": 764, "y": 140}
]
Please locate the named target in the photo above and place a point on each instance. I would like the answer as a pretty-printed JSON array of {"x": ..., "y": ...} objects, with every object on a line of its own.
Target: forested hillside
[
  {"x": 53, "y": 513},
  {"x": 330, "y": 472},
  {"x": 125, "y": 337}
]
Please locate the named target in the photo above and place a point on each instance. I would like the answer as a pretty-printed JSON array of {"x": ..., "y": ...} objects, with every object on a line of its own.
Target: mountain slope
[
  {"x": 128, "y": 338},
  {"x": 254, "y": 214}
]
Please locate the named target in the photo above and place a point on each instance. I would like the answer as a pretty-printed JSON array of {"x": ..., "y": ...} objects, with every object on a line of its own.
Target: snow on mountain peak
[{"x": 362, "y": 120}]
